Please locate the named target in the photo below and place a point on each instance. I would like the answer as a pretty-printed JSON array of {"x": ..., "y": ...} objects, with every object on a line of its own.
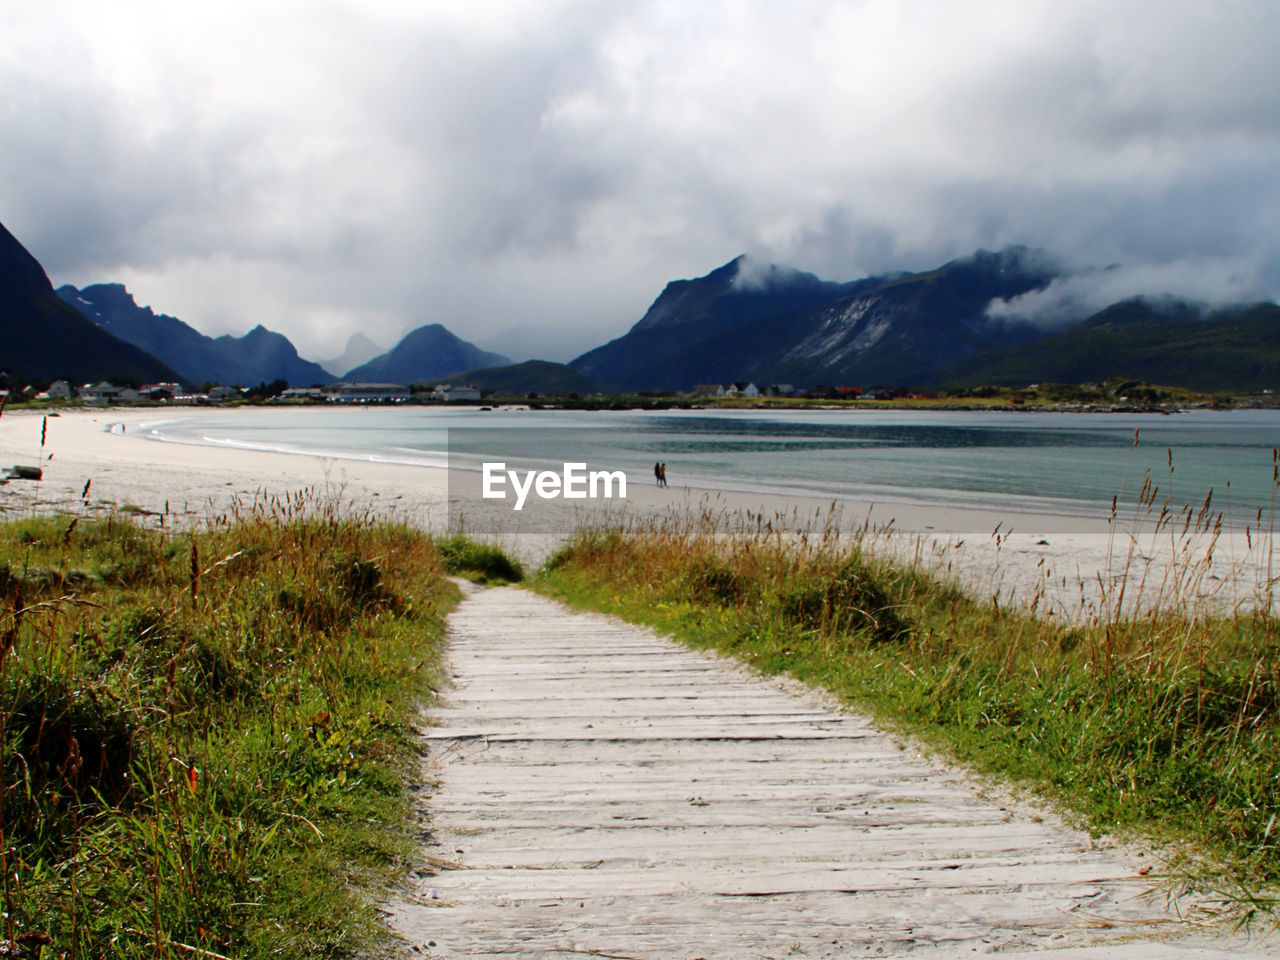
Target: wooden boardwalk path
[{"x": 604, "y": 792}]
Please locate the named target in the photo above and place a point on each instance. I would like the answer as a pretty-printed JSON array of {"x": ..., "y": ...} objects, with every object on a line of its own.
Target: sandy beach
[
  {"x": 957, "y": 851},
  {"x": 1065, "y": 566}
]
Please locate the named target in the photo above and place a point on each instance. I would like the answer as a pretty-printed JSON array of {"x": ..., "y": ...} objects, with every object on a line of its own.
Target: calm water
[{"x": 1061, "y": 463}]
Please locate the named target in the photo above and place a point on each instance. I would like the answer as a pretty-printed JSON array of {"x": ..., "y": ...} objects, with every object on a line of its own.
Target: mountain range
[
  {"x": 742, "y": 321},
  {"x": 932, "y": 328},
  {"x": 44, "y": 338},
  {"x": 100, "y": 332},
  {"x": 359, "y": 349},
  {"x": 774, "y": 325},
  {"x": 430, "y": 352},
  {"x": 260, "y": 356}
]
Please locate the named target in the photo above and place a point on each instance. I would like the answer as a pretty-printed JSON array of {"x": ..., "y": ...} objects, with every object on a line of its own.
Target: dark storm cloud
[{"x": 327, "y": 167}]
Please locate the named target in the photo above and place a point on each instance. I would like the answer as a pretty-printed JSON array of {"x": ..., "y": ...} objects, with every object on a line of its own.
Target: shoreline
[{"x": 1065, "y": 564}]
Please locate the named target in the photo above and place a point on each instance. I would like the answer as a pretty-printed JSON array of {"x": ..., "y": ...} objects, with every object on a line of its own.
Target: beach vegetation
[
  {"x": 477, "y": 561},
  {"x": 1157, "y": 720},
  {"x": 208, "y": 735}
]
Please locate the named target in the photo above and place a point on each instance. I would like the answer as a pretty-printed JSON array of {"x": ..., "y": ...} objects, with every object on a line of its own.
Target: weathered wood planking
[{"x": 604, "y": 792}]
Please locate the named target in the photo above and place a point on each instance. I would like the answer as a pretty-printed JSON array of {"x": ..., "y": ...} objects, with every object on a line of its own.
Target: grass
[
  {"x": 1164, "y": 723},
  {"x": 480, "y": 563},
  {"x": 208, "y": 735}
]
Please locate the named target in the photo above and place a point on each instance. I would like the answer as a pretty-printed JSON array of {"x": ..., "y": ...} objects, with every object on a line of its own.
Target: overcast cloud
[{"x": 327, "y": 166}]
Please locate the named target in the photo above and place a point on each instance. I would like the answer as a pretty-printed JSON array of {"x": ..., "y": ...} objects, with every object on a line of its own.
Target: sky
[{"x": 531, "y": 174}]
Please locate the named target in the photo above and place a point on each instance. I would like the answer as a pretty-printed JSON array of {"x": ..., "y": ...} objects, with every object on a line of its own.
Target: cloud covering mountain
[
  {"x": 747, "y": 320},
  {"x": 550, "y": 164}
]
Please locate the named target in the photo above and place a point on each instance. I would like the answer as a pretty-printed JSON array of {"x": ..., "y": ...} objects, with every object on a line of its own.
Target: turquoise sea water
[{"x": 1059, "y": 463}]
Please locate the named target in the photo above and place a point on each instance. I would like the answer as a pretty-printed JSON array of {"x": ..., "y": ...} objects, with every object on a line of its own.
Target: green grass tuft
[{"x": 478, "y": 562}]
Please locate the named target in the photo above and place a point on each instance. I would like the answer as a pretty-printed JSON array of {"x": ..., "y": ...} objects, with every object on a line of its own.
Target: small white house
[
  {"x": 742, "y": 389},
  {"x": 59, "y": 390},
  {"x": 447, "y": 392},
  {"x": 101, "y": 393}
]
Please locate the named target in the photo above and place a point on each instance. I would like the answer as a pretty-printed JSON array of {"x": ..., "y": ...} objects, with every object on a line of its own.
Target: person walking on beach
[
  {"x": 662, "y": 474},
  {"x": 657, "y": 474}
]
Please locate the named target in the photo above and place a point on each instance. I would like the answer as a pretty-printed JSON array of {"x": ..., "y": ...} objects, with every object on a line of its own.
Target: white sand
[
  {"x": 110, "y": 448},
  {"x": 1066, "y": 566}
]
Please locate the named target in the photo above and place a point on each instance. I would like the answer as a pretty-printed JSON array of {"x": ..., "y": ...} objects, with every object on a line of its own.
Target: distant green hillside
[
  {"x": 521, "y": 379},
  {"x": 1236, "y": 349}
]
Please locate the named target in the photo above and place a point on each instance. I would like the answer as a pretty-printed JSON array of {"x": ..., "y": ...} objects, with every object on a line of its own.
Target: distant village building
[
  {"x": 742, "y": 389},
  {"x": 60, "y": 390},
  {"x": 160, "y": 391},
  {"x": 100, "y": 393},
  {"x": 450, "y": 392},
  {"x": 779, "y": 390},
  {"x": 848, "y": 393},
  {"x": 302, "y": 393},
  {"x": 224, "y": 394},
  {"x": 708, "y": 390},
  {"x": 369, "y": 393}
]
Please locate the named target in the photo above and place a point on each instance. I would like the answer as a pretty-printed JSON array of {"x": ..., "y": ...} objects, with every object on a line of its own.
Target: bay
[{"x": 1062, "y": 463}]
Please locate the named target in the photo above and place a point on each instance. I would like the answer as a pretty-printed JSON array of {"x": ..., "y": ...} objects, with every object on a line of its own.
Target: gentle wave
[{"x": 438, "y": 461}]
